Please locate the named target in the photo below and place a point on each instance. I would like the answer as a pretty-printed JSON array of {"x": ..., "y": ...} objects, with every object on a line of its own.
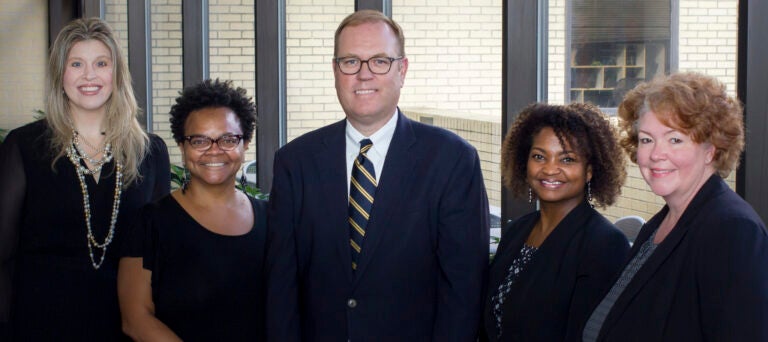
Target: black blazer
[
  {"x": 552, "y": 298},
  {"x": 422, "y": 268},
  {"x": 707, "y": 281}
]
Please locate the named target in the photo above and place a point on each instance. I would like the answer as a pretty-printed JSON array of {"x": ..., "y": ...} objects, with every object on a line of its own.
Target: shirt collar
[{"x": 380, "y": 138}]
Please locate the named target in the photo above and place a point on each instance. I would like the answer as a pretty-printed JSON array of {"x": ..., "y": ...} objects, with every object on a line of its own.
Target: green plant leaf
[{"x": 177, "y": 179}]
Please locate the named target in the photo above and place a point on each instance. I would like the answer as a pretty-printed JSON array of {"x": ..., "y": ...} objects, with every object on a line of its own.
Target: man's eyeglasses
[
  {"x": 226, "y": 142},
  {"x": 377, "y": 65}
]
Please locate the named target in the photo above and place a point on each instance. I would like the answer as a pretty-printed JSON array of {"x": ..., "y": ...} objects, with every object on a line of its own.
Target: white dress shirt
[{"x": 378, "y": 152}]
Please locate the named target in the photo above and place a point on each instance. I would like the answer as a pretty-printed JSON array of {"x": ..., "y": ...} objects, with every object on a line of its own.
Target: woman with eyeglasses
[{"x": 194, "y": 262}]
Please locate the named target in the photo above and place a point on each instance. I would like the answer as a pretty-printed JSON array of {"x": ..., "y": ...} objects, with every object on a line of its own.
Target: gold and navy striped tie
[{"x": 361, "y": 192}]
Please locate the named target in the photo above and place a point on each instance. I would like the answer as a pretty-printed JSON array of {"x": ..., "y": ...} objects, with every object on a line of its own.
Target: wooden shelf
[{"x": 597, "y": 70}]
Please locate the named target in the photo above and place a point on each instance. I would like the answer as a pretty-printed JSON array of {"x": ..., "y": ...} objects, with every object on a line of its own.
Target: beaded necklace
[
  {"x": 98, "y": 163},
  {"x": 82, "y": 171}
]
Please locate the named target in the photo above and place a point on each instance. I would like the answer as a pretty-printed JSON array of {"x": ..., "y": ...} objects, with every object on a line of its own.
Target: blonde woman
[{"x": 71, "y": 184}]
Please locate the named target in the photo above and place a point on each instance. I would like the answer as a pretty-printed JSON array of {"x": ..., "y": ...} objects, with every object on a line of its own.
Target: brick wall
[
  {"x": 708, "y": 38},
  {"x": 455, "y": 55},
  {"x": 24, "y": 56},
  {"x": 311, "y": 102},
  {"x": 556, "y": 51},
  {"x": 116, "y": 14}
]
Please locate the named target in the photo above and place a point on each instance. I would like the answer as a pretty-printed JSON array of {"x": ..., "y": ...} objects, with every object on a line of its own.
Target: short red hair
[{"x": 694, "y": 104}]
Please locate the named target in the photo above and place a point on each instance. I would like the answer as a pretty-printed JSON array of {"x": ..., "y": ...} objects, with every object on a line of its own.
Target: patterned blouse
[{"x": 518, "y": 265}]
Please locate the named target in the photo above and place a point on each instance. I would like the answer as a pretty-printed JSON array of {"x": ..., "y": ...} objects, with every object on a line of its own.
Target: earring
[
  {"x": 243, "y": 182},
  {"x": 589, "y": 194},
  {"x": 530, "y": 195},
  {"x": 185, "y": 181}
]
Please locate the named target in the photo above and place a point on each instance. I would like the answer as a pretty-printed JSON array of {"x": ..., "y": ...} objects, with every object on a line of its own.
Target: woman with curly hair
[
  {"x": 193, "y": 269},
  {"x": 71, "y": 185},
  {"x": 552, "y": 265},
  {"x": 697, "y": 271}
]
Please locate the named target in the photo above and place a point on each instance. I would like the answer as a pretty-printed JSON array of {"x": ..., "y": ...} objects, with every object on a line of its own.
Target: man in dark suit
[{"x": 381, "y": 242}]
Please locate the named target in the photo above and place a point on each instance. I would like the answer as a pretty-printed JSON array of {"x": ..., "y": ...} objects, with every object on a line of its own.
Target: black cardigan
[{"x": 552, "y": 298}]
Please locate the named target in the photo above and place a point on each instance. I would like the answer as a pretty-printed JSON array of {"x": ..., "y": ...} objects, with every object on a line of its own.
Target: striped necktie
[{"x": 361, "y": 192}]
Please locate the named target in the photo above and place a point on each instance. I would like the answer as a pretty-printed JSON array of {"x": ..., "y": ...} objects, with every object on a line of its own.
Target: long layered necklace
[{"x": 75, "y": 155}]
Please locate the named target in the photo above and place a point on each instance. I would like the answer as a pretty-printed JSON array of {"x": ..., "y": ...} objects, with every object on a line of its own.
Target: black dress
[
  {"x": 205, "y": 286},
  {"x": 49, "y": 289}
]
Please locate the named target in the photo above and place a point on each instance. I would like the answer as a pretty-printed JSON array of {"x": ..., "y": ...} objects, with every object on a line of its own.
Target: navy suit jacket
[
  {"x": 553, "y": 296},
  {"x": 707, "y": 281},
  {"x": 421, "y": 272}
]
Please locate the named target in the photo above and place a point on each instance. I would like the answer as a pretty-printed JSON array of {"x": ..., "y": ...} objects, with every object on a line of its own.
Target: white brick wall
[
  {"x": 708, "y": 38},
  {"x": 556, "y": 52},
  {"x": 167, "y": 69},
  {"x": 24, "y": 56},
  {"x": 455, "y": 55},
  {"x": 311, "y": 102}
]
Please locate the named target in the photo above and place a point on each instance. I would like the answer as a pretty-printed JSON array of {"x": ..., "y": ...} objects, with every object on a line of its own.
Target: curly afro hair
[
  {"x": 693, "y": 103},
  {"x": 213, "y": 94},
  {"x": 587, "y": 131}
]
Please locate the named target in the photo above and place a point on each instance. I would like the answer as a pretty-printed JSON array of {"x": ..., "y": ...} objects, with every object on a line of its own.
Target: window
[{"x": 614, "y": 45}]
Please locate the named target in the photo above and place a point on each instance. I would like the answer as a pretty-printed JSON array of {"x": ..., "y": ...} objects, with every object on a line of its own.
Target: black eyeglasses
[
  {"x": 377, "y": 65},
  {"x": 226, "y": 142}
]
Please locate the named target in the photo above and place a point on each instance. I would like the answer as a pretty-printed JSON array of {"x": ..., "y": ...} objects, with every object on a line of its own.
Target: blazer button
[{"x": 351, "y": 303}]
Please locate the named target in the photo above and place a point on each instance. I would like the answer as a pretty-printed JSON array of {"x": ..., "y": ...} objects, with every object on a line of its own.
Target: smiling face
[
  {"x": 556, "y": 173},
  {"x": 369, "y": 100},
  {"x": 87, "y": 77},
  {"x": 672, "y": 164},
  {"x": 213, "y": 167}
]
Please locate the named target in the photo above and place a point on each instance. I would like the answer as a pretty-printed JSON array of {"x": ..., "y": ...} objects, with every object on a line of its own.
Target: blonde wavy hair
[{"x": 129, "y": 141}]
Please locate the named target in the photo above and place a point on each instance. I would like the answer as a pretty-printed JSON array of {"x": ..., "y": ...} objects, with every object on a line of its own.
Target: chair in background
[
  {"x": 630, "y": 226},
  {"x": 249, "y": 168}
]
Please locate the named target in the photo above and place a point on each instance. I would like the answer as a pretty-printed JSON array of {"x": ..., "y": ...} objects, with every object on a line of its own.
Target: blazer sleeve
[
  {"x": 282, "y": 311},
  {"x": 733, "y": 281},
  {"x": 602, "y": 258},
  {"x": 13, "y": 185},
  {"x": 462, "y": 251}
]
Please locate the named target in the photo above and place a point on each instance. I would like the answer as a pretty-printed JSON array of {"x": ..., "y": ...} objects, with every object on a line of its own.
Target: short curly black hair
[
  {"x": 213, "y": 94},
  {"x": 587, "y": 130}
]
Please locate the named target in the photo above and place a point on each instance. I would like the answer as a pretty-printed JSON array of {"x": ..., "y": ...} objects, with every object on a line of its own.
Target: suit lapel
[
  {"x": 331, "y": 163},
  {"x": 547, "y": 261},
  {"x": 662, "y": 252},
  {"x": 392, "y": 186},
  {"x": 517, "y": 234}
]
